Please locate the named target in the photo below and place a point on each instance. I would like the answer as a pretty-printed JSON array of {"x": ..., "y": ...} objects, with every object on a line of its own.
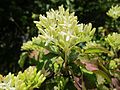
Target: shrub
[{"x": 69, "y": 56}]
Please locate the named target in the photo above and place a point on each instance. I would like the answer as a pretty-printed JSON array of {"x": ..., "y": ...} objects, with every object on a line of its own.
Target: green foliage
[
  {"x": 27, "y": 80},
  {"x": 60, "y": 34},
  {"x": 112, "y": 64},
  {"x": 68, "y": 54},
  {"x": 16, "y": 23},
  {"x": 93, "y": 47},
  {"x": 72, "y": 54}
]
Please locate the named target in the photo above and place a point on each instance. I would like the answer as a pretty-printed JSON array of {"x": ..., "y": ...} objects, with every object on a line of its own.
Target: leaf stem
[{"x": 65, "y": 63}]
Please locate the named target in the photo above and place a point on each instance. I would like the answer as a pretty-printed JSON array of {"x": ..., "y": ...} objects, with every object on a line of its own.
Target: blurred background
[{"x": 17, "y": 16}]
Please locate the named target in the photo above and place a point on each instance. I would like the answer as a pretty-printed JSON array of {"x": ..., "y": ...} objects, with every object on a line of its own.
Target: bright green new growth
[
  {"x": 28, "y": 80},
  {"x": 114, "y": 12},
  {"x": 59, "y": 33},
  {"x": 60, "y": 28},
  {"x": 114, "y": 41}
]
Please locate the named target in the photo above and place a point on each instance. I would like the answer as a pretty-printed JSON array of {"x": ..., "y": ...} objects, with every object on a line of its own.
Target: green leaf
[
  {"x": 102, "y": 87},
  {"x": 103, "y": 74},
  {"x": 93, "y": 47},
  {"x": 100, "y": 79},
  {"x": 22, "y": 59},
  {"x": 96, "y": 50}
]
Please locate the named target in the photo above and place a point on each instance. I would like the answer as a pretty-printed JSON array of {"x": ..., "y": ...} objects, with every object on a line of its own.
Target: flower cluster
[
  {"x": 27, "y": 80},
  {"x": 114, "y": 12}
]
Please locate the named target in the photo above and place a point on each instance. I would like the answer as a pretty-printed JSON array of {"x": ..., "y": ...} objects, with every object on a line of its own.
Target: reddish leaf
[{"x": 90, "y": 66}]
